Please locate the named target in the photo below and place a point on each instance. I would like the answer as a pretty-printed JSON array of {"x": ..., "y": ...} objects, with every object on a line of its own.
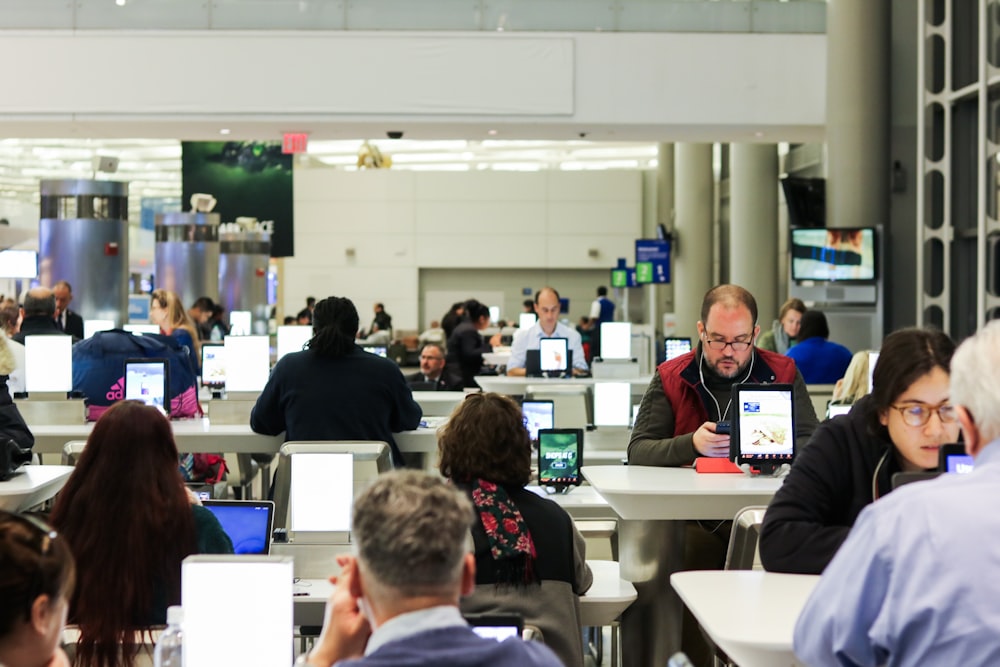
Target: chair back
[
  {"x": 742, "y": 553},
  {"x": 72, "y": 451}
]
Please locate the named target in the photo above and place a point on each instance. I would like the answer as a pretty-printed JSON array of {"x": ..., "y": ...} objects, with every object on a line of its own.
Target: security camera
[
  {"x": 583, "y": 135},
  {"x": 394, "y": 134}
]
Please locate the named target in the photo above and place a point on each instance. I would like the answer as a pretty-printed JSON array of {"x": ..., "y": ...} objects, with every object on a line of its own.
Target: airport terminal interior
[{"x": 841, "y": 156}]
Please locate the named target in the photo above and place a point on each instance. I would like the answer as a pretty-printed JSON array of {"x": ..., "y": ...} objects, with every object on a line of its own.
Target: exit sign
[{"x": 294, "y": 142}]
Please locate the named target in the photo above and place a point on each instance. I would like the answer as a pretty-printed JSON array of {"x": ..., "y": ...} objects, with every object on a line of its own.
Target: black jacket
[
  {"x": 465, "y": 352},
  {"x": 39, "y": 325},
  {"x": 830, "y": 483},
  {"x": 447, "y": 382},
  {"x": 74, "y": 324}
]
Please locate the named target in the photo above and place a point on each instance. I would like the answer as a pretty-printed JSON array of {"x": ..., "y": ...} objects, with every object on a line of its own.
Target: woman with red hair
[{"x": 129, "y": 521}]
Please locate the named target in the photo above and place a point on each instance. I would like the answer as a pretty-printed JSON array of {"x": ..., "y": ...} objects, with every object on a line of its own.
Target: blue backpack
[{"x": 99, "y": 362}]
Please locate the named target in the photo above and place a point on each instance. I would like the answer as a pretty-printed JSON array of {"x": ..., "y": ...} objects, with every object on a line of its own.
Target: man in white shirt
[
  {"x": 915, "y": 584},
  {"x": 547, "y": 307}
]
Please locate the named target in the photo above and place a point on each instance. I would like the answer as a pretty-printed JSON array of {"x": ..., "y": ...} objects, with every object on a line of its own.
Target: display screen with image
[
  {"x": 675, "y": 347},
  {"x": 538, "y": 415},
  {"x": 764, "y": 426},
  {"x": 833, "y": 254},
  {"x": 552, "y": 354},
  {"x": 560, "y": 454},
  {"x": 146, "y": 380},
  {"x": 213, "y": 365}
]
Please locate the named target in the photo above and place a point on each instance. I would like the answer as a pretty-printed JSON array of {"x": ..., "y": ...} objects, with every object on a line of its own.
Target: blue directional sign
[{"x": 652, "y": 261}]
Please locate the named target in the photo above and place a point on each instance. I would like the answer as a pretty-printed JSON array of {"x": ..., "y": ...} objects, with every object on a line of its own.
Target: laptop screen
[{"x": 246, "y": 522}]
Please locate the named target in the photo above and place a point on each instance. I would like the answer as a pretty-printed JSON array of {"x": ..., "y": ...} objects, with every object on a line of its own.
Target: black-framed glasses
[
  {"x": 720, "y": 345},
  {"x": 918, "y": 414}
]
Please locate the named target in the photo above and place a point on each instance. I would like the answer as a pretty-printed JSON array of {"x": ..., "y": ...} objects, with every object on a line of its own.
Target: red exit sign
[{"x": 294, "y": 142}]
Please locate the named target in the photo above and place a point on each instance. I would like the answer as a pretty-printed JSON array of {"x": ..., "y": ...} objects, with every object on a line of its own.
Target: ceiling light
[
  {"x": 120, "y": 3},
  {"x": 492, "y": 133},
  {"x": 224, "y": 130}
]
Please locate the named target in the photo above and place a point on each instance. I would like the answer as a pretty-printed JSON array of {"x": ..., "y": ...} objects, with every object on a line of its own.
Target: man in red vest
[{"x": 689, "y": 394}]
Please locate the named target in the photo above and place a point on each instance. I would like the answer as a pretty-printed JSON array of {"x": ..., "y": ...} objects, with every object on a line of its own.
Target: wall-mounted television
[{"x": 833, "y": 254}]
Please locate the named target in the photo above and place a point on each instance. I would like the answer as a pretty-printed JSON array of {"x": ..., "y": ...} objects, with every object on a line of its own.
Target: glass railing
[{"x": 740, "y": 16}]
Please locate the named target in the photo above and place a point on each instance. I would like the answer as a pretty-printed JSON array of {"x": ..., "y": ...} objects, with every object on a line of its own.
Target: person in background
[
  {"x": 819, "y": 360},
  {"x": 200, "y": 314},
  {"x": 455, "y": 316},
  {"x": 530, "y": 558},
  {"x": 913, "y": 583},
  {"x": 547, "y": 307},
  {"x": 66, "y": 319},
  {"x": 304, "y": 317},
  {"x": 9, "y": 316},
  {"x": 167, "y": 312},
  {"x": 120, "y": 492},
  {"x": 311, "y": 307},
  {"x": 433, "y": 334},
  {"x": 37, "y": 575},
  {"x": 334, "y": 390},
  {"x": 601, "y": 310},
  {"x": 850, "y": 460},
  {"x": 784, "y": 331},
  {"x": 289, "y": 320},
  {"x": 38, "y": 315},
  {"x": 382, "y": 322},
  {"x": 466, "y": 345},
  {"x": 217, "y": 329},
  {"x": 395, "y": 603},
  {"x": 854, "y": 385},
  {"x": 434, "y": 370}
]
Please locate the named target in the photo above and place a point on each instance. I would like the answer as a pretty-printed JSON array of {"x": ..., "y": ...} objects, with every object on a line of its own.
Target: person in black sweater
[
  {"x": 466, "y": 345},
  {"x": 850, "y": 460},
  {"x": 333, "y": 390}
]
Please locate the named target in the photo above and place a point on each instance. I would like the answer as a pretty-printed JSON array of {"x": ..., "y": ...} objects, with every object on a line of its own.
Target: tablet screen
[
  {"x": 213, "y": 365},
  {"x": 146, "y": 381},
  {"x": 560, "y": 454},
  {"x": 764, "y": 428},
  {"x": 552, "y": 353},
  {"x": 538, "y": 415}
]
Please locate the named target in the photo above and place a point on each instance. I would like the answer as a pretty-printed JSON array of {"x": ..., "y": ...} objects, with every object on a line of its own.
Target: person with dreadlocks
[
  {"x": 530, "y": 558},
  {"x": 334, "y": 390}
]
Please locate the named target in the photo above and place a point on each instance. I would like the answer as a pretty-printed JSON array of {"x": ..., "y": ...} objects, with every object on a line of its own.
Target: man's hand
[
  {"x": 710, "y": 443},
  {"x": 345, "y": 629}
]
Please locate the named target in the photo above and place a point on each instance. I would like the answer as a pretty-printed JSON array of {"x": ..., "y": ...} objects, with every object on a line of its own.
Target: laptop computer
[
  {"x": 248, "y": 523},
  {"x": 557, "y": 362}
]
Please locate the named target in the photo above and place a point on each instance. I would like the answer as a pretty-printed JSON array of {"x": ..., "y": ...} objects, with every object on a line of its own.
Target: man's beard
[{"x": 739, "y": 371}]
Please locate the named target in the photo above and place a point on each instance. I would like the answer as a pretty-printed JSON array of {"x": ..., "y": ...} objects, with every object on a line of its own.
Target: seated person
[
  {"x": 167, "y": 312},
  {"x": 36, "y": 581},
  {"x": 466, "y": 345},
  {"x": 334, "y": 390},
  {"x": 850, "y": 460},
  {"x": 38, "y": 315},
  {"x": 548, "y": 326},
  {"x": 434, "y": 371},
  {"x": 396, "y": 602},
  {"x": 819, "y": 360},
  {"x": 784, "y": 331},
  {"x": 433, "y": 334},
  {"x": 530, "y": 558},
  {"x": 380, "y": 337},
  {"x": 129, "y": 521}
]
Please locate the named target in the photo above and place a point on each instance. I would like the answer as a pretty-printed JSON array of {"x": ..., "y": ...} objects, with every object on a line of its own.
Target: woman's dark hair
[
  {"x": 34, "y": 561},
  {"x": 485, "y": 438},
  {"x": 813, "y": 326},
  {"x": 905, "y": 357},
  {"x": 335, "y": 324},
  {"x": 127, "y": 518},
  {"x": 474, "y": 310}
]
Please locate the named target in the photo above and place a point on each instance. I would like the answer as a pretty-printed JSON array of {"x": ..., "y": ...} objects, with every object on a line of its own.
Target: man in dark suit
[
  {"x": 67, "y": 321},
  {"x": 433, "y": 371},
  {"x": 38, "y": 315}
]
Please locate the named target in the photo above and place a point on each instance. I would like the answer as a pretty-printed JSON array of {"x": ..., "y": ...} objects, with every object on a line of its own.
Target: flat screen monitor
[
  {"x": 293, "y": 339},
  {"x": 48, "y": 363},
  {"x": 213, "y": 365},
  {"x": 18, "y": 264},
  {"x": 494, "y": 314},
  {"x": 251, "y": 623},
  {"x": 148, "y": 381},
  {"x": 526, "y": 320},
  {"x": 763, "y": 427},
  {"x": 141, "y": 328},
  {"x": 248, "y": 523},
  {"x": 248, "y": 362},
  {"x": 240, "y": 323},
  {"x": 538, "y": 415},
  {"x": 560, "y": 456},
  {"x": 612, "y": 403},
  {"x": 833, "y": 254},
  {"x": 322, "y": 492},
  {"x": 675, "y": 347},
  {"x": 552, "y": 354},
  {"x": 379, "y": 350},
  {"x": 616, "y": 340},
  {"x": 90, "y": 327}
]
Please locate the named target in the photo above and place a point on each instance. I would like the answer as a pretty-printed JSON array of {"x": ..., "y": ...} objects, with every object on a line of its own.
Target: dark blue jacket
[{"x": 819, "y": 360}]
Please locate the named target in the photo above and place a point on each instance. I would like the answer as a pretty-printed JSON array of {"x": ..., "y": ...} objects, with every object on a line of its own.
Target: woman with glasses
[
  {"x": 850, "y": 460},
  {"x": 36, "y": 580},
  {"x": 530, "y": 558},
  {"x": 129, "y": 521}
]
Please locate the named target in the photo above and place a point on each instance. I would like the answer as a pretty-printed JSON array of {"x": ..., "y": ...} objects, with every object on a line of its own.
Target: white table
[
  {"x": 602, "y": 605},
  {"x": 32, "y": 485},
  {"x": 517, "y": 385},
  {"x": 653, "y": 505},
  {"x": 749, "y": 615}
]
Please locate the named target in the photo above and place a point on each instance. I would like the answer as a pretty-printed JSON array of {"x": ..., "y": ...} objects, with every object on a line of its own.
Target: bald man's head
[{"x": 39, "y": 301}]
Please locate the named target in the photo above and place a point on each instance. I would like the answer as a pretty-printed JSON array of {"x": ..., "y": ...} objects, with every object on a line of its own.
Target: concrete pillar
[
  {"x": 662, "y": 295},
  {"x": 693, "y": 192},
  {"x": 753, "y": 226},
  {"x": 857, "y": 112}
]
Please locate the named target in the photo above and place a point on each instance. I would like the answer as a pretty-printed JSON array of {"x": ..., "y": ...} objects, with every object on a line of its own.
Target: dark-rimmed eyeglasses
[
  {"x": 720, "y": 345},
  {"x": 918, "y": 414}
]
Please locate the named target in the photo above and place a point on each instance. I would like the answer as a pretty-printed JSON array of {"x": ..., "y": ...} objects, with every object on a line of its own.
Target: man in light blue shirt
[
  {"x": 548, "y": 326},
  {"x": 916, "y": 581}
]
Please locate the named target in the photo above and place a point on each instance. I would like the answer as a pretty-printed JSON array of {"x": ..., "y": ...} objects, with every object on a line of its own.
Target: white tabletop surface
[
  {"x": 749, "y": 614},
  {"x": 505, "y": 384},
  {"x": 32, "y": 485},
  {"x": 654, "y": 493},
  {"x": 607, "y": 598}
]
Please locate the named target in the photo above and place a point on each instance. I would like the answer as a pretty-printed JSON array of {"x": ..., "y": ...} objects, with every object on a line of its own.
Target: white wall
[{"x": 368, "y": 234}]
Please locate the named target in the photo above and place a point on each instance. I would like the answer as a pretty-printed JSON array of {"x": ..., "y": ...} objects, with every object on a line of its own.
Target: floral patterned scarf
[{"x": 511, "y": 545}]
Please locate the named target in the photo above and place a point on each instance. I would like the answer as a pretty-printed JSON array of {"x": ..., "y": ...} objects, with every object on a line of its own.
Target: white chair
[{"x": 72, "y": 451}]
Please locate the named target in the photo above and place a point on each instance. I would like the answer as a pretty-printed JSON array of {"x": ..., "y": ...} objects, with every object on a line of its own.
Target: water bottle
[{"x": 168, "y": 651}]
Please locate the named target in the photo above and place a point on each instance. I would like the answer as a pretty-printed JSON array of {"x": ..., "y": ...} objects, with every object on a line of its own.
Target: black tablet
[
  {"x": 952, "y": 458},
  {"x": 560, "y": 456},
  {"x": 148, "y": 381},
  {"x": 763, "y": 424}
]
